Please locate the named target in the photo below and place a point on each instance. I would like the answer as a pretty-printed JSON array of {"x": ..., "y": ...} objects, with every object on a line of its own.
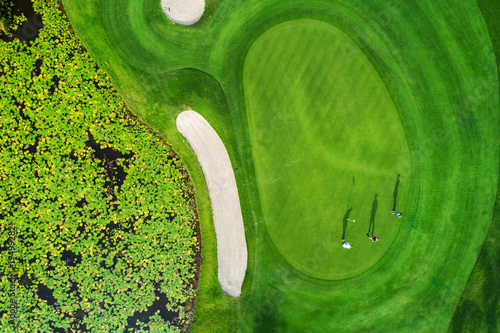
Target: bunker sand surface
[
  {"x": 184, "y": 12},
  {"x": 228, "y": 220}
]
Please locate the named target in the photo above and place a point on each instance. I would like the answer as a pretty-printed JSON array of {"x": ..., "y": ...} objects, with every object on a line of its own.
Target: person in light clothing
[{"x": 345, "y": 244}]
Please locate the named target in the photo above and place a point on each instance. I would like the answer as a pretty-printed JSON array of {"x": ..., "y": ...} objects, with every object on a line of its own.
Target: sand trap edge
[
  {"x": 185, "y": 12},
  {"x": 228, "y": 220}
]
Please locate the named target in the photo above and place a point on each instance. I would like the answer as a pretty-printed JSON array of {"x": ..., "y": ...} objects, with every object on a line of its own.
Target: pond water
[{"x": 29, "y": 29}]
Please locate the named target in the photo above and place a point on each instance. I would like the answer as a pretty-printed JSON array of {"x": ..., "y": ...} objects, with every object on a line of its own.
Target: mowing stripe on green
[{"x": 328, "y": 146}]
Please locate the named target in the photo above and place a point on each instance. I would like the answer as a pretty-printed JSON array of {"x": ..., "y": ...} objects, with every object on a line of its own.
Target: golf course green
[
  {"x": 328, "y": 146},
  {"x": 329, "y": 110}
]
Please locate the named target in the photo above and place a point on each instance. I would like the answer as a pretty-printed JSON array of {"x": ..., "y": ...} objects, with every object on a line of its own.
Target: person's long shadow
[
  {"x": 371, "y": 227},
  {"x": 344, "y": 222},
  {"x": 395, "y": 193}
]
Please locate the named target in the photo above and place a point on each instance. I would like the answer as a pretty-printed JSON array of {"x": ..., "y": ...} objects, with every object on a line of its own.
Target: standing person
[
  {"x": 345, "y": 244},
  {"x": 398, "y": 214},
  {"x": 373, "y": 238}
]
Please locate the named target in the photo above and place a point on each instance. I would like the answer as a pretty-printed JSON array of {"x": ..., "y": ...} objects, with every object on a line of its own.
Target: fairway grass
[
  {"x": 438, "y": 66},
  {"x": 328, "y": 145}
]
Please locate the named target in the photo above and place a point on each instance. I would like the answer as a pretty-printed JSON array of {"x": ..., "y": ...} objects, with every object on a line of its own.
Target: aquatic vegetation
[{"x": 98, "y": 220}]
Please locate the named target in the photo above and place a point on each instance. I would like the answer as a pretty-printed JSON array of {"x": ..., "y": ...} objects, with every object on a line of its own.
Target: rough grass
[{"x": 445, "y": 88}]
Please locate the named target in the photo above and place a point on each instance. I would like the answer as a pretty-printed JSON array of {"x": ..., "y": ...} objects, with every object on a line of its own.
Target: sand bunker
[
  {"x": 183, "y": 11},
  {"x": 228, "y": 221}
]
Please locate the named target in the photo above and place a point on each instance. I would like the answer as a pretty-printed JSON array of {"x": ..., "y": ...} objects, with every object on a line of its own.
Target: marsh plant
[{"x": 98, "y": 221}]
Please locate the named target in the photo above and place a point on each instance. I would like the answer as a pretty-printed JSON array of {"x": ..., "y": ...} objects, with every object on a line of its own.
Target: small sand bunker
[
  {"x": 228, "y": 221},
  {"x": 183, "y": 11}
]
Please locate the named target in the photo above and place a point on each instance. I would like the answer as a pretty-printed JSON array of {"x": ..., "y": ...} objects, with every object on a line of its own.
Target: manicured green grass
[
  {"x": 478, "y": 309},
  {"x": 444, "y": 86},
  {"x": 326, "y": 139}
]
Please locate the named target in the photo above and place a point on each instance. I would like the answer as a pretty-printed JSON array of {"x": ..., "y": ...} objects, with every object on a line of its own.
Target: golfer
[
  {"x": 398, "y": 214},
  {"x": 345, "y": 244},
  {"x": 373, "y": 238}
]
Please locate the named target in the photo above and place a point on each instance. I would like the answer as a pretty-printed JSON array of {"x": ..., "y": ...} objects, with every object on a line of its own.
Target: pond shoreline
[{"x": 69, "y": 244}]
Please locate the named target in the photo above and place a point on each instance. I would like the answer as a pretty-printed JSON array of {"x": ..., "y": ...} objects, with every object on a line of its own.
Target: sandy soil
[
  {"x": 183, "y": 11},
  {"x": 228, "y": 221}
]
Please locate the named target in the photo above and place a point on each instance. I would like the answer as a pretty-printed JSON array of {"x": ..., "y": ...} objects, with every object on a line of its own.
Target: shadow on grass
[
  {"x": 395, "y": 193},
  {"x": 265, "y": 316},
  {"x": 371, "y": 226},
  {"x": 272, "y": 324},
  {"x": 344, "y": 222}
]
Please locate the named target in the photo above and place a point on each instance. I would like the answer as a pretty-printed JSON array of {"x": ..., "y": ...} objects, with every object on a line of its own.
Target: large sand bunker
[
  {"x": 228, "y": 221},
  {"x": 183, "y": 11}
]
